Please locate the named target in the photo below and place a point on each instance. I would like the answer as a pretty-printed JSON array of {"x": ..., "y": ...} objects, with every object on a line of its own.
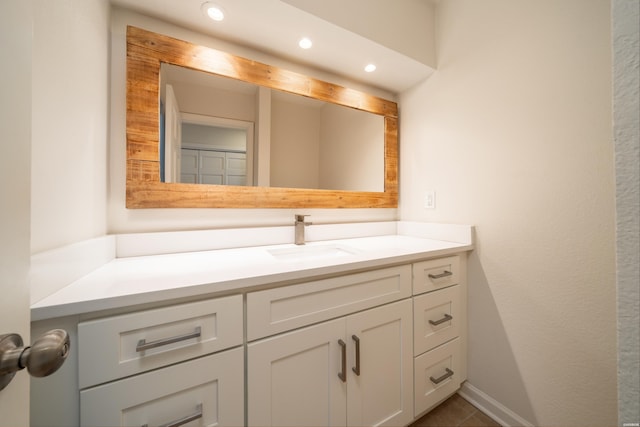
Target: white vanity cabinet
[
  {"x": 369, "y": 343},
  {"x": 439, "y": 310},
  {"x": 167, "y": 366},
  {"x": 353, "y": 370}
]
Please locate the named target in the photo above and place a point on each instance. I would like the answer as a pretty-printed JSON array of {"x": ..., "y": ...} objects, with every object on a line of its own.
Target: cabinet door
[
  {"x": 293, "y": 378},
  {"x": 208, "y": 390},
  {"x": 436, "y": 318},
  {"x": 437, "y": 375},
  {"x": 436, "y": 274},
  {"x": 188, "y": 166},
  {"x": 109, "y": 348},
  {"x": 211, "y": 168},
  {"x": 236, "y": 171},
  {"x": 282, "y": 309},
  {"x": 380, "y": 383}
]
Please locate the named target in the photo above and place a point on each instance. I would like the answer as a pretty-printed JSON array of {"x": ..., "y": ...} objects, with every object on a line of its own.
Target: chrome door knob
[{"x": 44, "y": 357}]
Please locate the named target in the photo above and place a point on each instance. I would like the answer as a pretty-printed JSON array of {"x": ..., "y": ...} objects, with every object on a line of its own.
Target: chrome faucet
[{"x": 299, "y": 228}]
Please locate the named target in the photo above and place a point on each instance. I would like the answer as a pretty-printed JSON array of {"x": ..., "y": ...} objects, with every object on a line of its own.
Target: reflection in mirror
[
  {"x": 206, "y": 137},
  {"x": 214, "y": 151},
  {"x": 206, "y": 128},
  {"x": 320, "y": 145}
]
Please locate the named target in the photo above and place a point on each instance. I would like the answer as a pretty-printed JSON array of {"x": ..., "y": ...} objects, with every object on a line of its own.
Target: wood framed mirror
[{"x": 146, "y": 51}]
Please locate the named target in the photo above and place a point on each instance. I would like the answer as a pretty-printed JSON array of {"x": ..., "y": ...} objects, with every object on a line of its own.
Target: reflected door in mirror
[{"x": 213, "y": 167}]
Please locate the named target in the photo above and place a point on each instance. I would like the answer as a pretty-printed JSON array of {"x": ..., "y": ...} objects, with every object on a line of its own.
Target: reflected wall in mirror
[
  {"x": 258, "y": 136},
  {"x": 206, "y": 136}
]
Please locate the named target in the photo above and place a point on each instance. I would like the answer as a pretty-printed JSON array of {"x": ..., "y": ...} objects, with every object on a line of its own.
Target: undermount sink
[{"x": 300, "y": 253}]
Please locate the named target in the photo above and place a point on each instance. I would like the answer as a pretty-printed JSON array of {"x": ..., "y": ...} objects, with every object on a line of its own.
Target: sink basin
[{"x": 301, "y": 253}]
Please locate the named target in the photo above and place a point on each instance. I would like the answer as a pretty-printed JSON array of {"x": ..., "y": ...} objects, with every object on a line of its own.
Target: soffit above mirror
[{"x": 275, "y": 27}]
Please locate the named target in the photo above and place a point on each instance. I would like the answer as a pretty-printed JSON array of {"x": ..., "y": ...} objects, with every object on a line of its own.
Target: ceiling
[{"x": 275, "y": 27}]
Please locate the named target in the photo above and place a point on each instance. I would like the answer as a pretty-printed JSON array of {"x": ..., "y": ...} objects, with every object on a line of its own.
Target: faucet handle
[{"x": 300, "y": 218}]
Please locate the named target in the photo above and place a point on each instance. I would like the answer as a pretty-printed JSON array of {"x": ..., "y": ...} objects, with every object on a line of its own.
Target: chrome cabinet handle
[
  {"x": 437, "y": 381},
  {"x": 441, "y": 275},
  {"x": 185, "y": 420},
  {"x": 446, "y": 318},
  {"x": 144, "y": 345},
  {"x": 343, "y": 373},
  {"x": 356, "y": 368}
]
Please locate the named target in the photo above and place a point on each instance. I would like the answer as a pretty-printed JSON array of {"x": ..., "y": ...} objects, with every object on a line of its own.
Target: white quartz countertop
[{"x": 130, "y": 281}]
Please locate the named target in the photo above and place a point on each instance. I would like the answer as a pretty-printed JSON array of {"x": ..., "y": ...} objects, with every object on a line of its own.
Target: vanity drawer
[
  {"x": 436, "y": 318},
  {"x": 436, "y": 375},
  {"x": 435, "y": 274},
  {"x": 209, "y": 389},
  {"x": 112, "y": 347},
  {"x": 277, "y": 310}
]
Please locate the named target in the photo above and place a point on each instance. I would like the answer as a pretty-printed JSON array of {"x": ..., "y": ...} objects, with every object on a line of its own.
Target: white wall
[
  {"x": 212, "y": 137},
  {"x": 70, "y": 122},
  {"x": 351, "y": 149},
  {"x": 322, "y": 145},
  {"x": 295, "y": 144},
  {"x": 122, "y": 220},
  {"x": 514, "y": 134},
  {"x": 626, "y": 108},
  {"x": 197, "y": 99},
  {"x": 407, "y": 27}
]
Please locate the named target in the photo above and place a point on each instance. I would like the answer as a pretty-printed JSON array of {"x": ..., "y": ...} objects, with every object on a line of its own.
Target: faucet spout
[{"x": 299, "y": 229}]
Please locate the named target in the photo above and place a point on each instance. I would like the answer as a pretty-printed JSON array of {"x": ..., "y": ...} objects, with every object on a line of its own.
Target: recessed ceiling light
[
  {"x": 213, "y": 11},
  {"x": 370, "y": 68},
  {"x": 305, "y": 43}
]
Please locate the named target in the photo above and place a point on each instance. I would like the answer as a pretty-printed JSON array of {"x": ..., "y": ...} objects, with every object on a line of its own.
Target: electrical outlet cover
[{"x": 430, "y": 199}]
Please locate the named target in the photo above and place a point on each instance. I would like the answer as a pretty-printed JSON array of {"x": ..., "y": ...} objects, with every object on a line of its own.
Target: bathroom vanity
[
  {"x": 359, "y": 331},
  {"x": 363, "y": 325}
]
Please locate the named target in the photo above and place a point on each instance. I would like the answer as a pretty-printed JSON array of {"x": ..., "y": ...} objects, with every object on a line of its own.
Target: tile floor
[{"x": 455, "y": 412}]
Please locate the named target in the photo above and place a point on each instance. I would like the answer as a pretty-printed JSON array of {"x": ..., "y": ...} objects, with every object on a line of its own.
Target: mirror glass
[
  {"x": 207, "y": 136},
  {"x": 237, "y": 133}
]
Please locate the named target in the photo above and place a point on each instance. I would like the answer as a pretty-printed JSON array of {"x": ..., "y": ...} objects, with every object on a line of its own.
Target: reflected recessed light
[
  {"x": 370, "y": 68},
  {"x": 213, "y": 11},
  {"x": 305, "y": 43}
]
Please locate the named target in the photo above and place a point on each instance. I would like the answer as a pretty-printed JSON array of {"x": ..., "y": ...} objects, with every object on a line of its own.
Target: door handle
[{"x": 44, "y": 357}]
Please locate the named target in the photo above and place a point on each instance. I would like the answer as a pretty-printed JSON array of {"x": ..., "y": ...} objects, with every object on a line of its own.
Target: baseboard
[{"x": 491, "y": 407}]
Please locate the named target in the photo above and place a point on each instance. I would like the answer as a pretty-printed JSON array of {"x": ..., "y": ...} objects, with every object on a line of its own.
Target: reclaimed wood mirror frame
[{"x": 147, "y": 50}]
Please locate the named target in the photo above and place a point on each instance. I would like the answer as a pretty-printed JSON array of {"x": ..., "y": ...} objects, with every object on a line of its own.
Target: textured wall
[
  {"x": 626, "y": 97},
  {"x": 514, "y": 134}
]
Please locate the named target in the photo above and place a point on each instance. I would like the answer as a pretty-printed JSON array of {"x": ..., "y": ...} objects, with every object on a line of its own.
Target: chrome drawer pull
[
  {"x": 356, "y": 369},
  {"x": 437, "y": 381},
  {"x": 446, "y": 318},
  {"x": 183, "y": 421},
  {"x": 144, "y": 345},
  {"x": 441, "y": 275},
  {"x": 343, "y": 374}
]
